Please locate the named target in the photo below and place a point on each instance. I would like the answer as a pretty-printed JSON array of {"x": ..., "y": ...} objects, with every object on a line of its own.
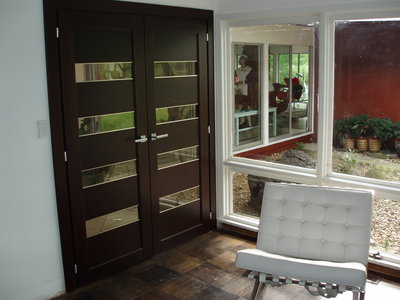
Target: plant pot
[
  {"x": 374, "y": 144},
  {"x": 362, "y": 144},
  {"x": 397, "y": 146},
  {"x": 349, "y": 143}
]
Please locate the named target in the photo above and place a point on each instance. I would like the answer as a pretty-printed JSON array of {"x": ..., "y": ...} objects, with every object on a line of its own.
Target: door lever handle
[
  {"x": 155, "y": 137},
  {"x": 141, "y": 139}
]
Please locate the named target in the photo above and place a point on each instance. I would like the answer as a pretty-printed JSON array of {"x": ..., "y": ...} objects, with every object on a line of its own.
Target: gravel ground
[{"x": 385, "y": 232}]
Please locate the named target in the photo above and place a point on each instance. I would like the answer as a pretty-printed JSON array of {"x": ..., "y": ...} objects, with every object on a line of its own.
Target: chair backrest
[{"x": 319, "y": 223}]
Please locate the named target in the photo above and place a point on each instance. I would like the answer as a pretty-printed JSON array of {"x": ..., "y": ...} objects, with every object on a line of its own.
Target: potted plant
[
  {"x": 380, "y": 130},
  {"x": 396, "y": 136},
  {"x": 360, "y": 127},
  {"x": 345, "y": 133}
]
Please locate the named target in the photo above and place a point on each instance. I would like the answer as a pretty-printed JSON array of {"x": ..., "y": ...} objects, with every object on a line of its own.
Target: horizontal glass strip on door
[
  {"x": 176, "y": 113},
  {"x": 112, "y": 221},
  {"x": 108, "y": 173},
  {"x": 106, "y": 123},
  {"x": 166, "y": 69},
  {"x": 177, "y": 157},
  {"x": 180, "y": 198},
  {"x": 89, "y": 72}
]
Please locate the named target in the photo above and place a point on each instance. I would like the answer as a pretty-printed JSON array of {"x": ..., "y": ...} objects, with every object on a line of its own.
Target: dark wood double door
[{"x": 135, "y": 111}]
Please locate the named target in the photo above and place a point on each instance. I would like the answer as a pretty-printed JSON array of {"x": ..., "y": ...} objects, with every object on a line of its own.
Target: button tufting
[
  {"x": 345, "y": 244},
  {"x": 322, "y": 241},
  {"x": 300, "y": 237},
  {"x": 305, "y": 203},
  {"x": 324, "y": 223},
  {"x": 279, "y": 236},
  {"x": 348, "y": 207},
  {"x": 281, "y": 218},
  {"x": 326, "y": 205},
  {"x": 301, "y": 221},
  {"x": 346, "y": 225}
]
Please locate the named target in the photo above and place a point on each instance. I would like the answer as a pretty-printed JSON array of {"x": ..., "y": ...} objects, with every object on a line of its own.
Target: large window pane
[
  {"x": 283, "y": 110},
  {"x": 366, "y": 99}
]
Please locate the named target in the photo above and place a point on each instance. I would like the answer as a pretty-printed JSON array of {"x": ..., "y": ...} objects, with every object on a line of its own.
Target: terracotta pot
[
  {"x": 374, "y": 144},
  {"x": 397, "y": 146},
  {"x": 349, "y": 143},
  {"x": 362, "y": 144}
]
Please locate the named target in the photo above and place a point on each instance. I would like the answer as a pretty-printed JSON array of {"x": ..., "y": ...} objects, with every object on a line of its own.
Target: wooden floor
[{"x": 202, "y": 269}]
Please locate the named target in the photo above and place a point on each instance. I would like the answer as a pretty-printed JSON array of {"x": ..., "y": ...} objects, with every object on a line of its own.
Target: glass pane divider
[
  {"x": 109, "y": 165},
  {"x": 104, "y": 132},
  {"x": 109, "y": 181},
  {"x": 176, "y": 121},
  {"x": 173, "y": 76},
  {"x": 183, "y": 204},
  {"x": 105, "y": 80},
  {"x": 178, "y": 164}
]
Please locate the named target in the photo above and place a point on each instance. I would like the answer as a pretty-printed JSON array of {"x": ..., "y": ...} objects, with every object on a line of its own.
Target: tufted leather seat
[{"x": 312, "y": 233}]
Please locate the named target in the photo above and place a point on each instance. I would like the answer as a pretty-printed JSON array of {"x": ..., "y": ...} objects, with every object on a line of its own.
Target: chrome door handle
[
  {"x": 155, "y": 137},
  {"x": 141, "y": 139}
]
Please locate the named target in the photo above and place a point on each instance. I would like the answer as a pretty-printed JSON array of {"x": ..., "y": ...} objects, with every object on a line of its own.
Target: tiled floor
[{"x": 201, "y": 269}]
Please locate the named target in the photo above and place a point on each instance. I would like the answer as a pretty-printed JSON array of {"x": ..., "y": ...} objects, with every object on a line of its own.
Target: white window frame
[{"x": 227, "y": 163}]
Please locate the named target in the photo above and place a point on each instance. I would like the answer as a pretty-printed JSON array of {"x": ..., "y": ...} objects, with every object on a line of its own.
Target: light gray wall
[{"x": 30, "y": 258}]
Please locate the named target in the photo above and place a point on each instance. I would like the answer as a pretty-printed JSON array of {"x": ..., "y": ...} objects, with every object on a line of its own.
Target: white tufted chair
[{"x": 317, "y": 237}]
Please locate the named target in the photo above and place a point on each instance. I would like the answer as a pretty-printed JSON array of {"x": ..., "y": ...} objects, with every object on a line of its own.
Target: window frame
[{"x": 227, "y": 163}]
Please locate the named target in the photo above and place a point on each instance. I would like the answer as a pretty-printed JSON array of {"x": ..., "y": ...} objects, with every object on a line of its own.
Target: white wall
[{"x": 30, "y": 258}]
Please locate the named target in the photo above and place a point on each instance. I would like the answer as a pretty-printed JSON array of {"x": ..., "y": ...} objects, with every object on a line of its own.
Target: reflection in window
[
  {"x": 180, "y": 198},
  {"x": 174, "y": 69},
  {"x": 177, "y": 157},
  {"x": 103, "y": 71},
  {"x": 112, "y": 221},
  {"x": 176, "y": 113},
  {"x": 104, "y": 174},
  {"x": 106, "y": 123},
  {"x": 247, "y": 117}
]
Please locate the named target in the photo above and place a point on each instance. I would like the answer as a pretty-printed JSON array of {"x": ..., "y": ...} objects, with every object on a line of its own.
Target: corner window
[{"x": 273, "y": 86}]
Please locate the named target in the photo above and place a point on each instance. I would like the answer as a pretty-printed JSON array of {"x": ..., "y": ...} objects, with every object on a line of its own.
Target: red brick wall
[{"x": 367, "y": 71}]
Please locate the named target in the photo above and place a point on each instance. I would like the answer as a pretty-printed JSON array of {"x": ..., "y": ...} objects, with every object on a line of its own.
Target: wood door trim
[{"x": 51, "y": 10}]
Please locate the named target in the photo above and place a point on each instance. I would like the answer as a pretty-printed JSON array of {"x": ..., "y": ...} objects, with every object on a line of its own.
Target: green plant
[
  {"x": 360, "y": 125},
  {"x": 381, "y": 128},
  {"x": 344, "y": 128},
  {"x": 387, "y": 243},
  {"x": 299, "y": 146},
  {"x": 395, "y": 129}
]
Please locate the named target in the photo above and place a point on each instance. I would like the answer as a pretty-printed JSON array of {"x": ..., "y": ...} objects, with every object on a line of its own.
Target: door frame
[{"x": 51, "y": 14}]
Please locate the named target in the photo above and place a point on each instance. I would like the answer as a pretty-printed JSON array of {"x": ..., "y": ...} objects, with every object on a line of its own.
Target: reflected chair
[{"x": 316, "y": 237}]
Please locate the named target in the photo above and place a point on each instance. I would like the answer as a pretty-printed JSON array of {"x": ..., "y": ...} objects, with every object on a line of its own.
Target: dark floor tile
[
  {"x": 181, "y": 262},
  {"x": 183, "y": 287},
  {"x": 208, "y": 273},
  {"x": 156, "y": 294},
  {"x": 234, "y": 284},
  {"x": 156, "y": 274},
  {"x": 212, "y": 293}
]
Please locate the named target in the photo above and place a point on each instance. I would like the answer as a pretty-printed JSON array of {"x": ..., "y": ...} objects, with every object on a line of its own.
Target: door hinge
[
  {"x": 76, "y": 268},
  {"x": 57, "y": 32},
  {"x": 210, "y": 215},
  {"x": 65, "y": 156},
  {"x": 207, "y": 37}
]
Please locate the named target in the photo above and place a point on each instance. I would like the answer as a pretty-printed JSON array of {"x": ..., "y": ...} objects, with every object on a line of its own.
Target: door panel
[
  {"x": 102, "y": 67},
  {"x": 177, "y": 96}
]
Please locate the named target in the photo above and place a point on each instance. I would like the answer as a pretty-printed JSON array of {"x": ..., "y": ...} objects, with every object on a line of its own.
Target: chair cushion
[
  {"x": 313, "y": 222},
  {"x": 348, "y": 273}
]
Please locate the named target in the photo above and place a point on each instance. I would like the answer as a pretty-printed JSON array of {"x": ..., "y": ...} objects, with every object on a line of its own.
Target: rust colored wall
[{"x": 367, "y": 72}]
